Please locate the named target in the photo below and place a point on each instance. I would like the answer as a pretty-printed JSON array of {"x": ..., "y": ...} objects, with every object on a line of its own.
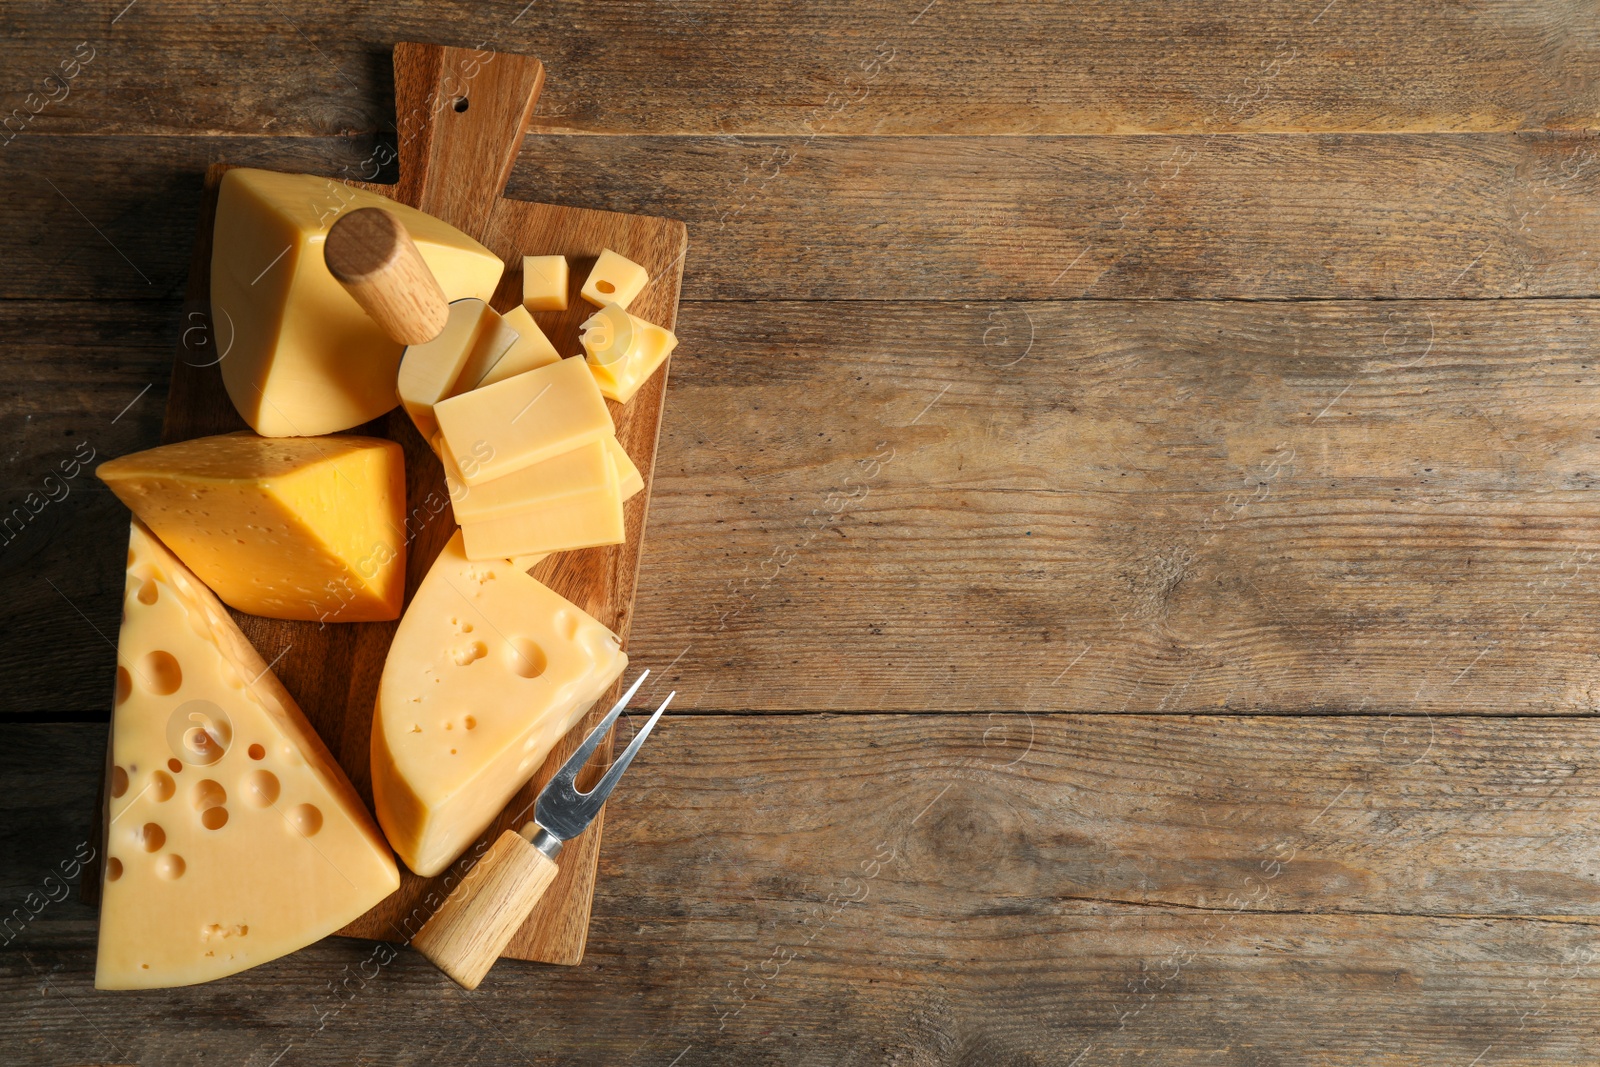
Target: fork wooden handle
[
  {"x": 470, "y": 930},
  {"x": 370, "y": 253}
]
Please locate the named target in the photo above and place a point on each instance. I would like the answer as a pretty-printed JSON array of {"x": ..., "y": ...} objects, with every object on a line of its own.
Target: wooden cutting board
[{"x": 462, "y": 117}]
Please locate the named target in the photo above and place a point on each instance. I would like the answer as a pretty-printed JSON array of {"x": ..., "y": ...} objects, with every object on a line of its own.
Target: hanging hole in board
[{"x": 460, "y": 104}]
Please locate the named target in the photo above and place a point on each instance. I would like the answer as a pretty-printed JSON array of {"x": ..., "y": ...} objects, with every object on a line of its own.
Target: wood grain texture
[
  {"x": 963, "y": 890},
  {"x": 1076, "y": 478},
  {"x": 774, "y": 67},
  {"x": 929, "y": 218},
  {"x": 453, "y": 162}
]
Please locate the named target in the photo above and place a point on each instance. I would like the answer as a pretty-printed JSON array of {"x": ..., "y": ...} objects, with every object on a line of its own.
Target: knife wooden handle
[
  {"x": 469, "y": 931},
  {"x": 370, "y": 253}
]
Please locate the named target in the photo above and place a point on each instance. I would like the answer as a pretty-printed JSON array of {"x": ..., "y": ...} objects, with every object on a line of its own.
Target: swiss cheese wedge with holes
[
  {"x": 232, "y": 836},
  {"x": 487, "y": 671}
]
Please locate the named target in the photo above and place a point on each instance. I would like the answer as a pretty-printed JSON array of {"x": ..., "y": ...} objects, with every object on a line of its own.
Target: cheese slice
[
  {"x": 298, "y": 355},
  {"x": 550, "y": 483},
  {"x": 586, "y": 514},
  {"x": 232, "y": 835},
  {"x": 517, "y": 422},
  {"x": 544, "y": 283},
  {"x": 288, "y": 528},
  {"x": 623, "y": 350},
  {"x": 615, "y": 279},
  {"x": 487, "y": 671},
  {"x": 430, "y": 371},
  {"x": 629, "y": 480},
  {"x": 529, "y": 351}
]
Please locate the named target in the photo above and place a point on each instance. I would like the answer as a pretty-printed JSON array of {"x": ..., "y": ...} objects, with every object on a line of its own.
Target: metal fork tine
[
  {"x": 613, "y": 774},
  {"x": 569, "y": 770}
]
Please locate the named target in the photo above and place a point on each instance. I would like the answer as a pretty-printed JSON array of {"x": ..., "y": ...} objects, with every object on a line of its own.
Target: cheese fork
[{"x": 470, "y": 930}]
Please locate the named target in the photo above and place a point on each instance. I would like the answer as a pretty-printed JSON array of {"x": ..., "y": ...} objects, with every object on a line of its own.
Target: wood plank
[
  {"x": 1429, "y": 548},
  {"x": 1131, "y": 885},
  {"x": 936, "y": 218},
  {"x": 696, "y": 67}
]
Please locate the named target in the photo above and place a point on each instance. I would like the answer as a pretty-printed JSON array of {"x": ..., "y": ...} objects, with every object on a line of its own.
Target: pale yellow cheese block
[
  {"x": 623, "y": 350},
  {"x": 544, "y": 283},
  {"x": 530, "y": 351},
  {"x": 288, "y": 528},
  {"x": 487, "y": 671},
  {"x": 615, "y": 279},
  {"x": 232, "y": 836},
  {"x": 298, "y": 355},
  {"x": 522, "y": 420}
]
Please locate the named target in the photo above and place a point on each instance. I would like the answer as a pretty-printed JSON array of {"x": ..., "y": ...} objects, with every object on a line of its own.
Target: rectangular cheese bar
[
  {"x": 581, "y": 518},
  {"x": 515, "y": 423}
]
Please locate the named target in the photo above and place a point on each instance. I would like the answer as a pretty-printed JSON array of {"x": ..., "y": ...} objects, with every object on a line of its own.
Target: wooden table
[{"x": 1124, "y": 536}]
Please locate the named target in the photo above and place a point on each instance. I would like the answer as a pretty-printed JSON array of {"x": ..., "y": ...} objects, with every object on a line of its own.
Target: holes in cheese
[
  {"x": 623, "y": 350},
  {"x": 286, "y": 528},
  {"x": 544, "y": 283},
  {"x": 615, "y": 279},
  {"x": 515, "y": 423},
  {"x": 436, "y": 789},
  {"x": 210, "y": 872},
  {"x": 298, "y": 355}
]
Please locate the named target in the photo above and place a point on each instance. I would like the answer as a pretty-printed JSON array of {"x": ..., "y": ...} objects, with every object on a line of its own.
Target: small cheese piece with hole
[
  {"x": 530, "y": 351},
  {"x": 544, "y": 283},
  {"x": 289, "y": 528},
  {"x": 526, "y": 418},
  {"x": 614, "y": 280},
  {"x": 232, "y": 837},
  {"x": 623, "y": 350},
  {"x": 429, "y": 372},
  {"x": 488, "y": 670},
  {"x": 587, "y": 513},
  {"x": 298, "y": 355}
]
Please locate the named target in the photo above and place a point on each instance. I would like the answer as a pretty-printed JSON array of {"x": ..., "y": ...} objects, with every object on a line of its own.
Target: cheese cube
[
  {"x": 298, "y": 355},
  {"x": 614, "y": 280},
  {"x": 487, "y": 671},
  {"x": 530, "y": 351},
  {"x": 623, "y": 350},
  {"x": 288, "y": 528},
  {"x": 517, "y": 422},
  {"x": 544, "y": 283},
  {"x": 232, "y": 837},
  {"x": 473, "y": 338}
]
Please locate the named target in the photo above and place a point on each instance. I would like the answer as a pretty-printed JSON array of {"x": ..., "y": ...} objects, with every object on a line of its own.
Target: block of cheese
[
  {"x": 614, "y": 280},
  {"x": 298, "y": 355},
  {"x": 429, "y": 372},
  {"x": 580, "y": 507},
  {"x": 623, "y": 350},
  {"x": 544, "y": 283},
  {"x": 526, "y": 418},
  {"x": 530, "y": 351},
  {"x": 288, "y": 528},
  {"x": 232, "y": 836},
  {"x": 487, "y": 671}
]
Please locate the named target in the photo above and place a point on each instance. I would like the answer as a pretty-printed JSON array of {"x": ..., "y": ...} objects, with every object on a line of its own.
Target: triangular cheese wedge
[
  {"x": 487, "y": 671},
  {"x": 232, "y": 835}
]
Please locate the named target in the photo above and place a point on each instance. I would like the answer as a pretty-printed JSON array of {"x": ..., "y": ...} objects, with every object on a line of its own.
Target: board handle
[
  {"x": 470, "y": 930},
  {"x": 369, "y": 252}
]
